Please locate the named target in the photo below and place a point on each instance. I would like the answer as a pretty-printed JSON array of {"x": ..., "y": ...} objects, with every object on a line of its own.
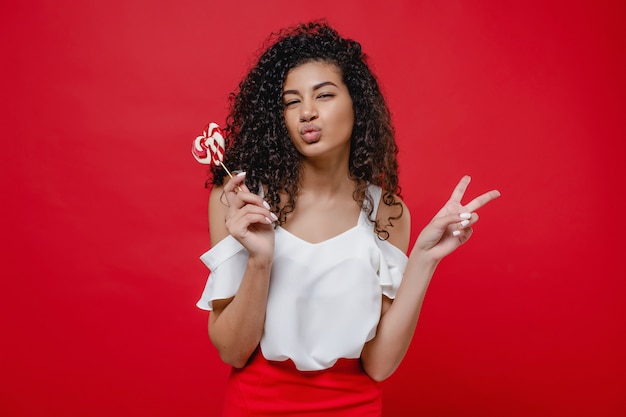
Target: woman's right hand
[
  {"x": 236, "y": 323},
  {"x": 248, "y": 218}
]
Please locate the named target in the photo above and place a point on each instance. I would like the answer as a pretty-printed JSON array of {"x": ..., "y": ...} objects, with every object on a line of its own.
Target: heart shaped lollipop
[{"x": 209, "y": 147}]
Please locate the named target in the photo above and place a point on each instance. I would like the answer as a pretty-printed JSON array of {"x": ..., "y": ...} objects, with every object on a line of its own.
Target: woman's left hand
[{"x": 452, "y": 225}]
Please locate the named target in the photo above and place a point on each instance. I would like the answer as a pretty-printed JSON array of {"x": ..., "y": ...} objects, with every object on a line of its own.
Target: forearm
[
  {"x": 236, "y": 329},
  {"x": 383, "y": 354}
]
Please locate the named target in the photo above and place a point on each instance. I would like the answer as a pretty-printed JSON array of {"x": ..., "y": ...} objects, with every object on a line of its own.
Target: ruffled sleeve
[
  {"x": 392, "y": 261},
  {"x": 227, "y": 261},
  {"x": 391, "y": 267}
]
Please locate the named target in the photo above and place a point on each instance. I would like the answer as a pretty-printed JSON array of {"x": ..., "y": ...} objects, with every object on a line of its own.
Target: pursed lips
[{"x": 310, "y": 132}]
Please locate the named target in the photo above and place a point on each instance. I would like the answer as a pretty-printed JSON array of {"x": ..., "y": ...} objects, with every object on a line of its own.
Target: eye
[
  {"x": 291, "y": 102},
  {"x": 325, "y": 96}
]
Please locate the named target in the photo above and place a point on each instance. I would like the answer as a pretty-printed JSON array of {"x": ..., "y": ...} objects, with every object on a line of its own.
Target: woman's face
[{"x": 318, "y": 110}]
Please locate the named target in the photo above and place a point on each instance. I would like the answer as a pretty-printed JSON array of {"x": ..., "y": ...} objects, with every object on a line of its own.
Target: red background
[{"x": 104, "y": 212}]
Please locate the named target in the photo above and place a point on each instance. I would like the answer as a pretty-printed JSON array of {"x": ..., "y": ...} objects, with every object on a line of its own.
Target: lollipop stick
[
  {"x": 228, "y": 172},
  {"x": 226, "y": 169}
]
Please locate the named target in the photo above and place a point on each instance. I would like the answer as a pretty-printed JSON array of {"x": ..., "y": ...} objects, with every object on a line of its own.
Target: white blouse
[{"x": 324, "y": 298}]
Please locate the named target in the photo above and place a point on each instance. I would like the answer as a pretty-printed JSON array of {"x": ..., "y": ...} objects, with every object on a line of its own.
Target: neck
[{"x": 325, "y": 177}]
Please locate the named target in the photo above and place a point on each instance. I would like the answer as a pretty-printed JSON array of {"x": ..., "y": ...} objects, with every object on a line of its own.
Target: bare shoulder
[
  {"x": 217, "y": 214},
  {"x": 397, "y": 221}
]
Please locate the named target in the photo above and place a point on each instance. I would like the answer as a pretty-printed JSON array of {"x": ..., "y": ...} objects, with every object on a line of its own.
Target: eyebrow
[{"x": 315, "y": 87}]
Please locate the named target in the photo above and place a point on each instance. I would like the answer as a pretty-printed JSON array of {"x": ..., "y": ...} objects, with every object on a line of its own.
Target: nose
[{"x": 308, "y": 112}]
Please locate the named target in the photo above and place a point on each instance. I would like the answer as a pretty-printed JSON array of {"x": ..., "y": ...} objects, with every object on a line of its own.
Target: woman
[{"x": 313, "y": 300}]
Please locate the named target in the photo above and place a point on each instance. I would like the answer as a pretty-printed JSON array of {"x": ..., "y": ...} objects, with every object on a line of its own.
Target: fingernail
[
  {"x": 268, "y": 221},
  {"x": 465, "y": 215},
  {"x": 275, "y": 217},
  {"x": 456, "y": 233},
  {"x": 266, "y": 205},
  {"x": 241, "y": 174},
  {"x": 464, "y": 223}
]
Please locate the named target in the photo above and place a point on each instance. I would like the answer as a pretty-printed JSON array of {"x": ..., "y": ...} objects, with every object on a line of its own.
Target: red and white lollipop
[{"x": 209, "y": 147}]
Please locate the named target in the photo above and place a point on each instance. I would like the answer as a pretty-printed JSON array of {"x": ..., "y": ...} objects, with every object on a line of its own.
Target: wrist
[
  {"x": 260, "y": 262},
  {"x": 424, "y": 259}
]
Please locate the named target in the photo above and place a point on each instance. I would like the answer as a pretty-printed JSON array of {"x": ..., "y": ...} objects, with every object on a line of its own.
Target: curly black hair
[{"x": 257, "y": 140}]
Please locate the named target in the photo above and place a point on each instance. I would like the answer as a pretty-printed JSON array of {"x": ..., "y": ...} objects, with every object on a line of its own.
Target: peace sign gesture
[{"x": 452, "y": 225}]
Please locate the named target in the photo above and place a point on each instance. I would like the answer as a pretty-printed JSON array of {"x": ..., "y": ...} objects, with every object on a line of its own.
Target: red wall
[{"x": 103, "y": 212}]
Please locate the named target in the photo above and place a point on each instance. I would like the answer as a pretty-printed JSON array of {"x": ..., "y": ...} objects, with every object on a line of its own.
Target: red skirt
[{"x": 269, "y": 388}]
